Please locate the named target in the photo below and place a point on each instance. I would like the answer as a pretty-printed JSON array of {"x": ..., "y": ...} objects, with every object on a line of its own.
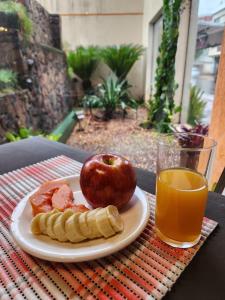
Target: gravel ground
[{"x": 119, "y": 136}]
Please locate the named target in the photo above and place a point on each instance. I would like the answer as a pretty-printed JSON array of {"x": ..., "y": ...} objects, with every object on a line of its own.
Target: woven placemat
[{"x": 146, "y": 269}]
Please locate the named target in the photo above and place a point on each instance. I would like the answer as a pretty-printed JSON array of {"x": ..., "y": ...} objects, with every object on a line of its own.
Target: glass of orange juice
[{"x": 183, "y": 168}]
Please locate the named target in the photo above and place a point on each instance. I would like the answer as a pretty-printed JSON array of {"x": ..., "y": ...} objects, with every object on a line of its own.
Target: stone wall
[
  {"x": 11, "y": 51},
  {"x": 46, "y": 27},
  {"x": 50, "y": 85},
  {"x": 44, "y": 96},
  {"x": 16, "y": 111},
  {"x": 48, "y": 99}
]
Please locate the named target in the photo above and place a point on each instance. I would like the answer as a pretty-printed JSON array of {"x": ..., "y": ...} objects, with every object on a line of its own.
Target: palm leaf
[
  {"x": 83, "y": 61},
  {"x": 196, "y": 106},
  {"x": 120, "y": 59}
]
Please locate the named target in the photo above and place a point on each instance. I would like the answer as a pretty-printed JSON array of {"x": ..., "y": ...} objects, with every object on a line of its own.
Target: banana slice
[
  {"x": 103, "y": 223},
  {"x": 72, "y": 229},
  {"x": 84, "y": 228},
  {"x": 114, "y": 218},
  {"x": 35, "y": 224},
  {"x": 50, "y": 223},
  {"x": 43, "y": 221},
  {"x": 59, "y": 226},
  {"x": 92, "y": 224}
]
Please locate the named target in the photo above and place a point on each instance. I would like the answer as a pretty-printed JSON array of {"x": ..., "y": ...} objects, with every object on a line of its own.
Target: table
[{"x": 204, "y": 278}]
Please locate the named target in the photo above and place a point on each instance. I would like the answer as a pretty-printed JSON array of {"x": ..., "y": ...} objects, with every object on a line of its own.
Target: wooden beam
[
  {"x": 87, "y": 14},
  {"x": 217, "y": 126}
]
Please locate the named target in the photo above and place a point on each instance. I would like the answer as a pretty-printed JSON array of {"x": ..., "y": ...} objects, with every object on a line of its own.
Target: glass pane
[
  {"x": 157, "y": 37},
  {"x": 211, "y": 20}
]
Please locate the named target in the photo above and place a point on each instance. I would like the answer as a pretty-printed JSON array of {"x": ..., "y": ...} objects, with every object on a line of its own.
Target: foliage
[
  {"x": 91, "y": 101},
  {"x": 198, "y": 128},
  {"x": 83, "y": 62},
  {"x": 24, "y": 133},
  {"x": 111, "y": 94},
  {"x": 192, "y": 141},
  {"x": 8, "y": 80},
  {"x": 196, "y": 106},
  {"x": 120, "y": 59},
  {"x": 12, "y": 7},
  {"x": 162, "y": 106}
]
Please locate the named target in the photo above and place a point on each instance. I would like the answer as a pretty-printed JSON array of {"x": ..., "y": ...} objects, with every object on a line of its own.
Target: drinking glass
[{"x": 184, "y": 165}]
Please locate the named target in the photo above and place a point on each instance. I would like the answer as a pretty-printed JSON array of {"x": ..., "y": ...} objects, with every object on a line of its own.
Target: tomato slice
[
  {"x": 41, "y": 209},
  {"x": 62, "y": 198}
]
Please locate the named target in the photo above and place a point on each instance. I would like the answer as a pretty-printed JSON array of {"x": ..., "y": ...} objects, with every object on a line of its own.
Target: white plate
[{"x": 135, "y": 216}]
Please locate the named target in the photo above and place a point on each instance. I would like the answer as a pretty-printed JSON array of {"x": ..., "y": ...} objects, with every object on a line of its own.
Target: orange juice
[{"x": 180, "y": 206}]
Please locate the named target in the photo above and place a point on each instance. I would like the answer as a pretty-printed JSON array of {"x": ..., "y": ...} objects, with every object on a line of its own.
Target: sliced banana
[
  {"x": 75, "y": 226},
  {"x": 103, "y": 223},
  {"x": 114, "y": 218},
  {"x": 43, "y": 221},
  {"x": 92, "y": 224},
  {"x": 59, "y": 226},
  {"x": 50, "y": 224},
  {"x": 84, "y": 228},
  {"x": 35, "y": 224},
  {"x": 72, "y": 229}
]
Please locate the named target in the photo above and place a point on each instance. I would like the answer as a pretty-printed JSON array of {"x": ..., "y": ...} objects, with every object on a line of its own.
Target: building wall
[
  {"x": 102, "y": 22},
  {"x": 107, "y": 22}
]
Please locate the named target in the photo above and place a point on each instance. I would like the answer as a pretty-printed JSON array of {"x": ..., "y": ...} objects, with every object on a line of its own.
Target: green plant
[
  {"x": 90, "y": 102},
  {"x": 196, "y": 106},
  {"x": 83, "y": 62},
  {"x": 162, "y": 106},
  {"x": 24, "y": 133},
  {"x": 111, "y": 94},
  {"x": 120, "y": 59},
  {"x": 12, "y": 7},
  {"x": 8, "y": 80}
]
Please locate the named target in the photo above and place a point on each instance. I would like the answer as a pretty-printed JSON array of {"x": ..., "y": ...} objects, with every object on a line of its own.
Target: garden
[{"x": 51, "y": 93}]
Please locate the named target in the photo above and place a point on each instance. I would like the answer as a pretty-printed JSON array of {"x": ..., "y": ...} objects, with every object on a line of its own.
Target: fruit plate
[{"x": 135, "y": 216}]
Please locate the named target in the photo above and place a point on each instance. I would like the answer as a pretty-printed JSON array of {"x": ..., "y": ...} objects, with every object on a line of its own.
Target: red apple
[{"x": 107, "y": 179}]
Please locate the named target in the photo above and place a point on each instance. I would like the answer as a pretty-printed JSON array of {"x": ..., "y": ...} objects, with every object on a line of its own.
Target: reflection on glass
[{"x": 211, "y": 20}]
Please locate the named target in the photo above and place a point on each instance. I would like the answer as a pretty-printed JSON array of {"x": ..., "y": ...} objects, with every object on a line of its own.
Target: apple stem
[{"x": 108, "y": 161}]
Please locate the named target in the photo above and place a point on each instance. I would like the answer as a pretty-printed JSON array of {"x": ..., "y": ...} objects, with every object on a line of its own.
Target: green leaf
[
  {"x": 196, "y": 106},
  {"x": 10, "y": 137},
  {"x": 120, "y": 59},
  {"x": 162, "y": 107},
  {"x": 123, "y": 105},
  {"x": 24, "y": 133},
  {"x": 83, "y": 61},
  {"x": 177, "y": 109}
]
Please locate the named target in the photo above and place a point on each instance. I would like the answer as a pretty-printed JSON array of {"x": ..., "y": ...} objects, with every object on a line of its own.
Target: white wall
[
  {"x": 102, "y": 23},
  {"x": 152, "y": 11},
  {"x": 108, "y": 22},
  {"x": 91, "y": 6}
]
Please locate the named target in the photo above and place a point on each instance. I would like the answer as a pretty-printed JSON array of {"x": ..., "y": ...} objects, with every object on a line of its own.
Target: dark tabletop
[{"x": 204, "y": 278}]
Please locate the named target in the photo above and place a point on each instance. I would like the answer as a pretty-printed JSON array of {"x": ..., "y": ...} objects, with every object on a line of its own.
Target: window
[
  {"x": 157, "y": 37},
  {"x": 208, "y": 48}
]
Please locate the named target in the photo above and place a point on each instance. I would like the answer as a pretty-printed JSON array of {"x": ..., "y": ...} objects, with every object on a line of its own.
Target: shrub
[
  {"x": 162, "y": 106},
  {"x": 11, "y": 7},
  {"x": 90, "y": 102},
  {"x": 24, "y": 133},
  {"x": 83, "y": 62},
  {"x": 8, "y": 80},
  {"x": 196, "y": 106},
  {"x": 111, "y": 94},
  {"x": 120, "y": 59}
]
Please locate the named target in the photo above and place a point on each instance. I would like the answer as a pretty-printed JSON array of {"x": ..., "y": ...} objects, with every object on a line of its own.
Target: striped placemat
[{"x": 146, "y": 269}]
